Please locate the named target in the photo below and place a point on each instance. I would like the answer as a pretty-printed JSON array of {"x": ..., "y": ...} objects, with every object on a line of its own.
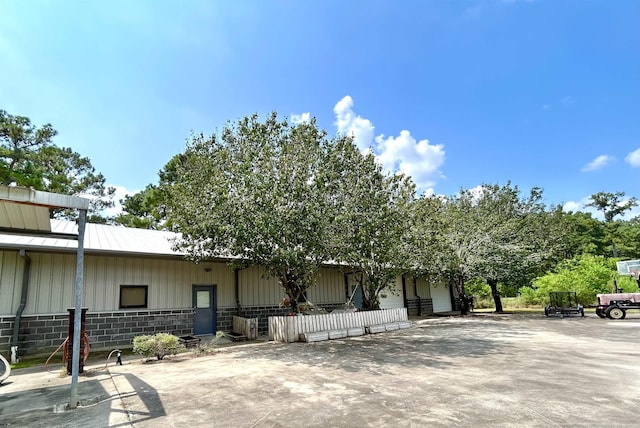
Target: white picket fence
[{"x": 289, "y": 329}]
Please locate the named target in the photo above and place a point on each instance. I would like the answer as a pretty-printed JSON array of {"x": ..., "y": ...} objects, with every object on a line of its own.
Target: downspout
[
  {"x": 23, "y": 303},
  {"x": 404, "y": 292},
  {"x": 346, "y": 284},
  {"x": 415, "y": 287},
  {"x": 236, "y": 282}
]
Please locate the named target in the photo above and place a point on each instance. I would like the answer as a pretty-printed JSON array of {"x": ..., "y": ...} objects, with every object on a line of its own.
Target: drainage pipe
[
  {"x": 23, "y": 303},
  {"x": 415, "y": 288},
  {"x": 404, "y": 292},
  {"x": 236, "y": 282}
]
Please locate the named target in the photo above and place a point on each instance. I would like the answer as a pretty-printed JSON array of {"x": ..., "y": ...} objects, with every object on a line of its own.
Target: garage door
[{"x": 441, "y": 298}]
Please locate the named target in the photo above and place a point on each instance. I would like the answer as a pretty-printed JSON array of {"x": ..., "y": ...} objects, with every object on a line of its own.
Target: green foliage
[
  {"x": 490, "y": 233},
  {"x": 583, "y": 234},
  {"x": 612, "y": 205},
  {"x": 478, "y": 289},
  {"x": 253, "y": 193},
  {"x": 627, "y": 284},
  {"x": 369, "y": 211},
  {"x": 627, "y": 239},
  {"x": 158, "y": 345},
  {"x": 587, "y": 275},
  {"x": 29, "y": 158},
  {"x": 148, "y": 209}
]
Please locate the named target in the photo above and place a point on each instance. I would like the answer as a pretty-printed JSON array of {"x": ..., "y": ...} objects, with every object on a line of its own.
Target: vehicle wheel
[
  {"x": 600, "y": 313},
  {"x": 5, "y": 369},
  {"x": 615, "y": 313}
]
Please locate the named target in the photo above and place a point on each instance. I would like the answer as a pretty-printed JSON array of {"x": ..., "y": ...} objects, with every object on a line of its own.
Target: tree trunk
[
  {"x": 458, "y": 283},
  {"x": 496, "y": 295}
]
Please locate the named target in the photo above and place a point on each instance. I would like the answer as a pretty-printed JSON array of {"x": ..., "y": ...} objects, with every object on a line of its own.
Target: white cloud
[
  {"x": 568, "y": 100},
  {"x": 633, "y": 158},
  {"x": 418, "y": 159},
  {"x": 598, "y": 163},
  {"x": 348, "y": 123},
  {"x": 120, "y": 193},
  {"x": 572, "y": 206},
  {"x": 297, "y": 119}
]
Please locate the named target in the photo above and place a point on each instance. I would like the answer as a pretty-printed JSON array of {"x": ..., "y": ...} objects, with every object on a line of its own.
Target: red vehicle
[{"x": 615, "y": 305}]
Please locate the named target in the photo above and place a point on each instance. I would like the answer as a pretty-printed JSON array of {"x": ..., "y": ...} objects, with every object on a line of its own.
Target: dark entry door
[
  {"x": 357, "y": 297},
  {"x": 204, "y": 304}
]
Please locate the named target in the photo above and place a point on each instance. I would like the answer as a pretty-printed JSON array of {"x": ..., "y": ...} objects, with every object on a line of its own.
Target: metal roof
[
  {"x": 28, "y": 210},
  {"x": 98, "y": 238}
]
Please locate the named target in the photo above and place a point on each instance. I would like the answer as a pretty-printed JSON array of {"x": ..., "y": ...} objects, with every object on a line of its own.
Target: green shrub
[
  {"x": 158, "y": 345},
  {"x": 587, "y": 275},
  {"x": 477, "y": 289}
]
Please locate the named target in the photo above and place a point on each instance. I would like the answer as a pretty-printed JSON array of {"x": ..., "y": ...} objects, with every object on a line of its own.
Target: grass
[{"x": 509, "y": 304}]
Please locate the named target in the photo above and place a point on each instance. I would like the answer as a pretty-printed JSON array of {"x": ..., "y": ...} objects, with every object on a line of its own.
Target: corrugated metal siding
[
  {"x": 11, "y": 265},
  {"x": 423, "y": 289},
  {"x": 410, "y": 287},
  {"x": 329, "y": 288},
  {"x": 393, "y": 293},
  {"x": 257, "y": 288},
  {"x": 52, "y": 283},
  {"x": 24, "y": 216}
]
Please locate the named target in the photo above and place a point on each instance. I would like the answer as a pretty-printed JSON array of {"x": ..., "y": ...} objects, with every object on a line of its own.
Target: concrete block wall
[
  {"x": 41, "y": 334},
  {"x": 414, "y": 304},
  {"x": 224, "y": 319},
  {"x": 110, "y": 330}
]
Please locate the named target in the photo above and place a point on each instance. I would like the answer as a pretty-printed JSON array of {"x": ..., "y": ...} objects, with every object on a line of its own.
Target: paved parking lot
[{"x": 481, "y": 370}]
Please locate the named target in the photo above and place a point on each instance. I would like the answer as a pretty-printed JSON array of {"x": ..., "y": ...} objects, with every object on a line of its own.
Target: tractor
[{"x": 615, "y": 305}]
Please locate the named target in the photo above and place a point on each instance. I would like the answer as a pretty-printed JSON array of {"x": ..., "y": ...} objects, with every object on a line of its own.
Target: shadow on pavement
[
  {"x": 435, "y": 344},
  {"x": 140, "y": 400},
  {"x": 103, "y": 403}
]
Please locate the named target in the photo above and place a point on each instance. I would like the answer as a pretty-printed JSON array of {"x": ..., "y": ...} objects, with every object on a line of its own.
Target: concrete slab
[
  {"x": 459, "y": 371},
  {"x": 337, "y": 334}
]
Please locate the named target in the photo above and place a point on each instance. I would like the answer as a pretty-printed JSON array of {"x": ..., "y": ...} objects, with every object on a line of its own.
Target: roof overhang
[{"x": 26, "y": 211}]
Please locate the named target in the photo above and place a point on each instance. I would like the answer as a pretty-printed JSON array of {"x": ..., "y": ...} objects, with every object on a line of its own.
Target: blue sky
[{"x": 456, "y": 93}]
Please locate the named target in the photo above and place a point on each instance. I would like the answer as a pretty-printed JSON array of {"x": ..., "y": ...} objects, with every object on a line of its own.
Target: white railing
[
  {"x": 246, "y": 327},
  {"x": 289, "y": 329}
]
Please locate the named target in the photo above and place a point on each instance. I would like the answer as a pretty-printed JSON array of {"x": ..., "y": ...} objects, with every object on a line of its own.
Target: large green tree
[
  {"x": 583, "y": 233},
  {"x": 628, "y": 238},
  {"x": 519, "y": 240},
  {"x": 369, "y": 211},
  {"x": 253, "y": 193},
  {"x": 585, "y": 274},
  {"x": 612, "y": 205},
  {"x": 29, "y": 158},
  {"x": 148, "y": 209},
  {"x": 494, "y": 234}
]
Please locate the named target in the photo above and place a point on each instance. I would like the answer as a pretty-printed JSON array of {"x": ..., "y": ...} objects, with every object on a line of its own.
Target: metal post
[{"x": 77, "y": 319}]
